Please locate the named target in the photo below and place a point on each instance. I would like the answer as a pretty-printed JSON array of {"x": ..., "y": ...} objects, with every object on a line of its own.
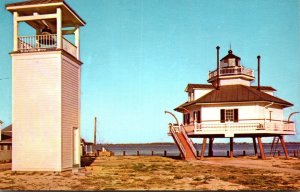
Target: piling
[
  {"x": 138, "y": 153},
  {"x": 197, "y": 153},
  {"x": 227, "y": 153},
  {"x": 165, "y": 153},
  {"x": 124, "y": 153},
  {"x": 152, "y": 153},
  {"x": 278, "y": 153},
  {"x": 244, "y": 153}
]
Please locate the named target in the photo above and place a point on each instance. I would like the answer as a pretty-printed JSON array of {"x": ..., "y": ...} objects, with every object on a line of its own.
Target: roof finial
[{"x": 230, "y": 51}]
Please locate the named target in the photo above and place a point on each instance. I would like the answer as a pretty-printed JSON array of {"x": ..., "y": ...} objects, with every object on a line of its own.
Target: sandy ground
[{"x": 162, "y": 173}]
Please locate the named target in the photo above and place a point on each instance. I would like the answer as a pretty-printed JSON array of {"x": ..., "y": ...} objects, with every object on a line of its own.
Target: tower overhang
[{"x": 29, "y": 8}]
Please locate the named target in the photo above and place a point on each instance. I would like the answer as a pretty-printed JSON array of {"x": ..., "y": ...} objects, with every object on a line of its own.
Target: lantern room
[{"x": 230, "y": 71}]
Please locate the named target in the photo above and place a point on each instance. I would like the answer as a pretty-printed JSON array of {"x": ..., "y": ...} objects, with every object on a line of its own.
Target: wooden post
[
  {"x": 295, "y": 153},
  {"x": 279, "y": 153},
  {"x": 227, "y": 153},
  {"x": 16, "y": 31},
  {"x": 261, "y": 148},
  {"x": 138, "y": 153},
  {"x": 255, "y": 147},
  {"x": 59, "y": 28},
  {"x": 284, "y": 147},
  {"x": 77, "y": 42},
  {"x": 231, "y": 147},
  {"x": 95, "y": 131},
  {"x": 203, "y": 148},
  {"x": 197, "y": 153},
  {"x": 152, "y": 153},
  {"x": 124, "y": 153},
  {"x": 210, "y": 147},
  {"x": 165, "y": 153},
  {"x": 244, "y": 153}
]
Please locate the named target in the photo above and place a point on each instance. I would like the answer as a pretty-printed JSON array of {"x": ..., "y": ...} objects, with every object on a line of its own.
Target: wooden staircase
[
  {"x": 184, "y": 144},
  {"x": 274, "y": 146}
]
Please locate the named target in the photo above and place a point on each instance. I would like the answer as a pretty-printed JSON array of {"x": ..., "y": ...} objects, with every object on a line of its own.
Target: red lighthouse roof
[
  {"x": 235, "y": 93},
  {"x": 230, "y": 56}
]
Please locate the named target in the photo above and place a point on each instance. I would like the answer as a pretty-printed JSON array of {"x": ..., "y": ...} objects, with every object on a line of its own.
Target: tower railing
[
  {"x": 232, "y": 71},
  {"x": 69, "y": 47},
  {"x": 44, "y": 43},
  {"x": 36, "y": 42}
]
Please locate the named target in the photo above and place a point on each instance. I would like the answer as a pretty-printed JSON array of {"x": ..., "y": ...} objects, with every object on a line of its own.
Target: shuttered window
[
  {"x": 222, "y": 115},
  {"x": 229, "y": 115},
  {"x": 236, "y": 115},
  {"x": 199, "y": 116}
]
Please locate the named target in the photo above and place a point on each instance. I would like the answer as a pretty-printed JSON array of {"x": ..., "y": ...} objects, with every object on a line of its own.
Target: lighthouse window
[{"x": 229, "y": 115}]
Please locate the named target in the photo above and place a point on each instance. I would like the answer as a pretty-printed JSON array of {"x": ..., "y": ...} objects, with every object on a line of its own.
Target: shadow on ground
[{"x": 87, "y": 161}]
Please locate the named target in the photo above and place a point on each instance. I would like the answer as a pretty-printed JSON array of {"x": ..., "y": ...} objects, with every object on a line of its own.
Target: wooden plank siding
[
  {"x": 70, "y": 108},
  {"x": 36, "y": 111}
]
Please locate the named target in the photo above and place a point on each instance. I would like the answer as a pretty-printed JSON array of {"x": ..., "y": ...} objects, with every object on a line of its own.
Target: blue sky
[{"x": 140, "y": 54}]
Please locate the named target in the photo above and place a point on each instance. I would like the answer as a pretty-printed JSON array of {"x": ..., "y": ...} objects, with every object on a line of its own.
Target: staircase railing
[
  {"x": 189, "y": 141},
  {"x": 174, "y": 130},
  {"x": 274, "y": 146}
]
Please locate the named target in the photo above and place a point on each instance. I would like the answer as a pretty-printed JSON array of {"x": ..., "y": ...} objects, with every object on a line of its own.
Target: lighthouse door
[{"x": 76, "y": 146}]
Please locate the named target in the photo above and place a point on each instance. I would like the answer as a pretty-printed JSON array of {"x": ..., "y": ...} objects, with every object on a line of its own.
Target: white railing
[
  {"x": 174, "y": 130},
  {"x": 232, "y": 71},
  {"x": 189, "y": 141},
  {"x": 243, "y": 127},
  {"x": 34, "y": 43},
  {"x": 44, "y": 42},
  {"x": 69, "y": 47}
]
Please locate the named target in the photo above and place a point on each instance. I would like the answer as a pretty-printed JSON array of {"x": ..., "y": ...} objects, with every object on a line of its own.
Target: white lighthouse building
[
  {"x": 46, "y": 71},
  {"x": 231, "y": 107}
]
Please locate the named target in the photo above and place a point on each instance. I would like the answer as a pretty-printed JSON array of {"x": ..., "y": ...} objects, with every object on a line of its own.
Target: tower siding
[
  {"x": 36, "y": 112},
  {"x": 70, "y": 108}
]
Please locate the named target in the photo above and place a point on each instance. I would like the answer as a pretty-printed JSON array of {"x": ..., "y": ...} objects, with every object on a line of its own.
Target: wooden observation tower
[{"x": 46, "y": 70}]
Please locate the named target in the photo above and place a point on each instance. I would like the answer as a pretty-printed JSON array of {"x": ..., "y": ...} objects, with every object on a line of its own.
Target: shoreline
[{"x": 172, "y": 143}]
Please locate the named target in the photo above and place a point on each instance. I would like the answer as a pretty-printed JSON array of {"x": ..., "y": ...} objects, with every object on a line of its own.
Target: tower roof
[
  {"x": 230, "y": 55},
  {"x": 236, "y": 93},
  {"x": 34, "y": 2},
  {"x": 70, "y": 17}
]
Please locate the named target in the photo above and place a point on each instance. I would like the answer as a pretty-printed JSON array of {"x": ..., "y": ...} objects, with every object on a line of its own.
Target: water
[{"x": 219, "y": 149}]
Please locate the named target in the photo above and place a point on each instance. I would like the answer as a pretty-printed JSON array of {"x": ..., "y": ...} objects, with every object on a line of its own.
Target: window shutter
[
  {"x": 222, "y": 115},
  {"x": 236, "y": 115},
  {"x": 199, "y": 116}
]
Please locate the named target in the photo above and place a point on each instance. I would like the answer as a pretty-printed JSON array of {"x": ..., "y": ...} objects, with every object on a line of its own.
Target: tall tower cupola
[{"x": 230, "y": 71}]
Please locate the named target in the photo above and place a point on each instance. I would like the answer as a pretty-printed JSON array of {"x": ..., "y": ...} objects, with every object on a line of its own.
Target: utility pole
[{"x": 95, "y": 136}]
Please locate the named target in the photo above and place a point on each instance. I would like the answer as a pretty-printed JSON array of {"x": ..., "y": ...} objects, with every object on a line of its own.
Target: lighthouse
[
  {"x": 230, "y": 106},
  {"x": 46, "y": 71}
]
